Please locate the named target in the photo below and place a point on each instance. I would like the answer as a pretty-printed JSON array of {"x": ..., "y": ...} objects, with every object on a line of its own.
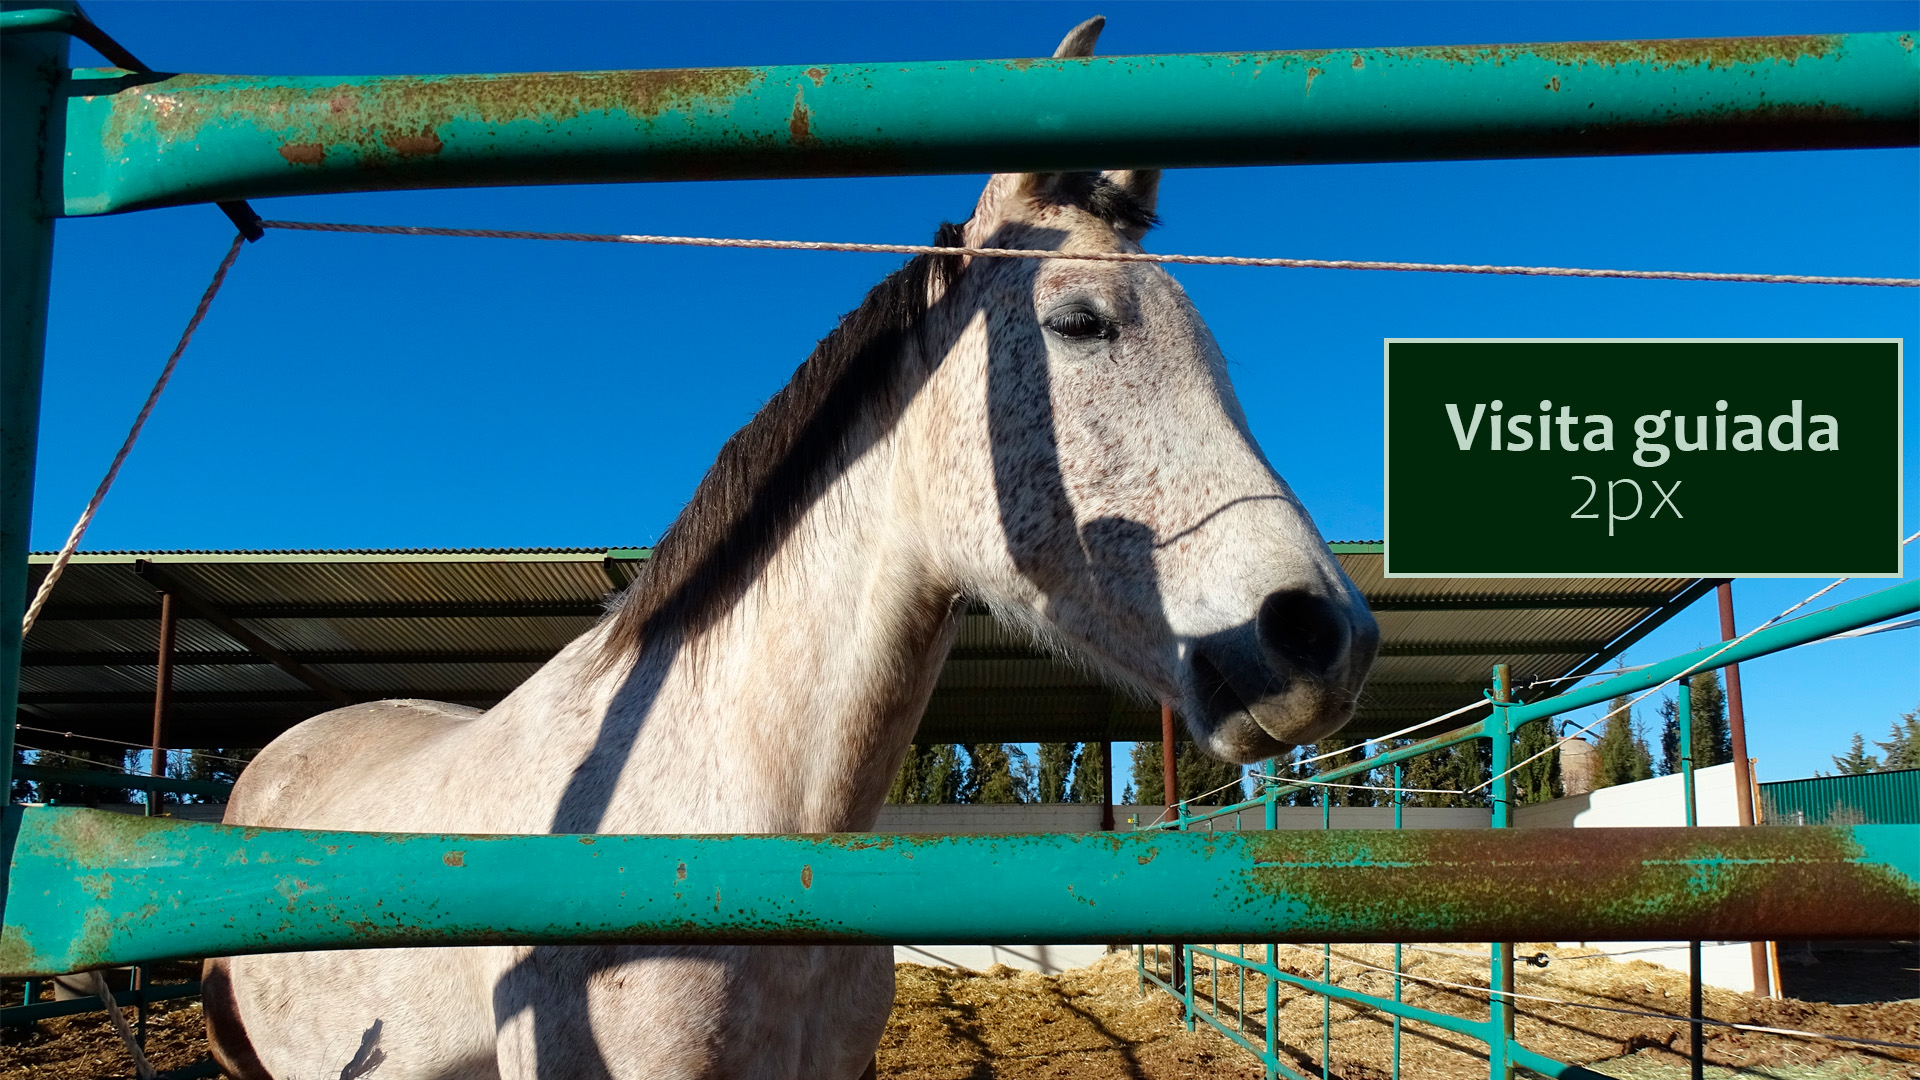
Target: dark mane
[{"x": 774, "y": 468}]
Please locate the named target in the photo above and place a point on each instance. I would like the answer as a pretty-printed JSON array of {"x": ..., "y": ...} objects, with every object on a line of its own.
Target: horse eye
[{"x": 1077, "y": 324}]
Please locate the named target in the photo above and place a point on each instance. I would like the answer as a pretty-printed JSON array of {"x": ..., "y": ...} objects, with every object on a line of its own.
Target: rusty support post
[
  {"x": 162, "y": 692},
  {"x": 1742, "y": 767},
  {"x": 1736, "y": 713},
  {"x": 1106, "y": 787},
  {"x": 1168, "y": 776}
]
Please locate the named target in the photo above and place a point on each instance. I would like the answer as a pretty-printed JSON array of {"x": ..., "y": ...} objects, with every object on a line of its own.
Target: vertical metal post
[
  {"x": 1399, "y": 821},
  {"x": 32, "y": 66},
  {"x": 1170, "y": 781},
  {"x": 1736, "y": 713},
  {"x": 1168, "y": 776},
  {"x": 1106, "y": 787},
  {"x": 162, "y": 692},
  {"x": 1177, "y": 954},
  {"x": 1683, "y": 715},
  {"x": 1742, "y": 767},
  {"x": 1500, "y": 1005},
  {"x": 1326, "y": 962},
  {"x": 1272, "y": 799}
]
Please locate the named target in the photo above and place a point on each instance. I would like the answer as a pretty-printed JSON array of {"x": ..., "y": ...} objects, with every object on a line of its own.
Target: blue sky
[{"x": 380, "y": 392}]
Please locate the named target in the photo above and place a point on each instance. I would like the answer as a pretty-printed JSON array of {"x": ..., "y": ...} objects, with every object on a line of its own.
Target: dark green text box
[{"x": 1714, "y": 458}]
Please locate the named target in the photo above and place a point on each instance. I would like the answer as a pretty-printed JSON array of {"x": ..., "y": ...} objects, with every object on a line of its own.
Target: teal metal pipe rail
[
  {"x": 1504, "y": 1052},
  {"x": 102, "y": 778},
  {"x": 137, "y": 141},
  {"x": 90, "y": 889},
  {"x": 1889, "y": 603}
]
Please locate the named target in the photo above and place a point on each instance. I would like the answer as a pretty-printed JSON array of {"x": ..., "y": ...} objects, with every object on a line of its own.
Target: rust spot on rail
[
  {"x": 401, "y": 117},
  {"x": 1527, "y": 884}
]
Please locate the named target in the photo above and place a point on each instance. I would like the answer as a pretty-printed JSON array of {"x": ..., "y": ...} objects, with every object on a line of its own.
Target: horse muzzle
[{"x": 1290, "y": 676}]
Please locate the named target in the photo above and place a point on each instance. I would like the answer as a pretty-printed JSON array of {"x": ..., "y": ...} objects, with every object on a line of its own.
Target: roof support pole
[
  {"x": 31, "y": 67},
  {"x": 1742, "y": 765},
  {"x": 162, "y": 690},
  {"x": 1168, "y": 774},
  {"x": 203, "y": 608}
]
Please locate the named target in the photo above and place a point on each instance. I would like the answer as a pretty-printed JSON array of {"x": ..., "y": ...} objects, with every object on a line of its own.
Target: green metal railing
[
  {"x": 1170, "y": 969},
  {"x": 108, "y": 141}
]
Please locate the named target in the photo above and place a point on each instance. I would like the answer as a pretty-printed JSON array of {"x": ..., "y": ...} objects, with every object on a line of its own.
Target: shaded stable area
[{"x": 258, "y": 641}]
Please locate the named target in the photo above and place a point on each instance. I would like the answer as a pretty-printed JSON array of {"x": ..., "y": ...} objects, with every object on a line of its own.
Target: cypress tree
[
  {"x": 1194, "y": 774},
  {"x": 1623, "y": 754},
  {"x": 1903, "y": 743},
  {"x": 1085, "y": 786},
  {"x": 1857, "y": 760},
  {"x": 997, "y": 773},
  {"x": 1539, "y": 780},
  {"x": 1056, "y": 769},
  {"x": 931, "y": 774}
]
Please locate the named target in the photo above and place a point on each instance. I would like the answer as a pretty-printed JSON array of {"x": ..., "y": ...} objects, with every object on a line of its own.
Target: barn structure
[{"x": 198, "y": 649}]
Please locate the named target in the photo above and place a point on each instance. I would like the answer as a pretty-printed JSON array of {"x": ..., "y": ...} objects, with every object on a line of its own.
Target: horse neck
[{"x": 793, "y": 710}]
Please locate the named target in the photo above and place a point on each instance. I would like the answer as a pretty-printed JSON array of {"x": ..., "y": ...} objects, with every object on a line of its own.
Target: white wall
[{"x": 1658, "y": 802}]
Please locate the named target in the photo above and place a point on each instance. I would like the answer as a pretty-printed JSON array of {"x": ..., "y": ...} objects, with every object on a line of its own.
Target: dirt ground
[{"x": 1092, "y": 1024}]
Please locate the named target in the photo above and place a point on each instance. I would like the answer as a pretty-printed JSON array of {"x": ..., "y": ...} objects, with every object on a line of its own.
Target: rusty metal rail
[
  {"x": 89, "y": 889},
  {"x": 131, "y": 141}
]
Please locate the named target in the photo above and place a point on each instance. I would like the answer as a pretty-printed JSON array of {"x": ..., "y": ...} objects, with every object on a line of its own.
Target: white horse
[{"x": 1055, "y": 439}]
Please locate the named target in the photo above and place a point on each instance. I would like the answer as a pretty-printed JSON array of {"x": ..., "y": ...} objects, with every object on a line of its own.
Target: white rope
[
  {"x": 1700, "y": 665},
  {"x": 1361, "y": 787},
  {"x": 106, "y": 482},
  {"x": 1088, "y": 256},
  {"x": 1394, "y": 734},
  {"x": 140, "y": 1063}
]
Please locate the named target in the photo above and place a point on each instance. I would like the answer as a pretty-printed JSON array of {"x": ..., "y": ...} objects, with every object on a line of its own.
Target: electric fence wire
[{"x": 1699, "y": 665}]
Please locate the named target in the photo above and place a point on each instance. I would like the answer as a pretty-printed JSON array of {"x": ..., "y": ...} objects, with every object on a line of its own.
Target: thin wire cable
[
  {"x": 89, "y": 761},
  {"x": 121, "y": 742},
  {"x": 106, "y": 482},
  {"x": 1361, "y": 787},
  {"x": 1700, "y": 665},
  {"x": 1514, "y": 996},
  {"x": 1090, "y": 256},
  {"x": 1395, "y": 734}
]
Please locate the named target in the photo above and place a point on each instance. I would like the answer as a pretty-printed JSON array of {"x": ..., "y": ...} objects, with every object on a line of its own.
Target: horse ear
[
  {"x": 1079, "y": 40},
  {"x": 1008, "y": 189},
  {"x": 1142, "y": 184}
]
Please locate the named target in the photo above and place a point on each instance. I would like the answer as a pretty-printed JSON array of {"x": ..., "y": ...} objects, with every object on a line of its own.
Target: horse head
[{"x": 1120, "y": 508}]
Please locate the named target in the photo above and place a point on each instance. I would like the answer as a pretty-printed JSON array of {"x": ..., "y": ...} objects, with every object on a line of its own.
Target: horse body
[{"x": 1057, "y": 440}]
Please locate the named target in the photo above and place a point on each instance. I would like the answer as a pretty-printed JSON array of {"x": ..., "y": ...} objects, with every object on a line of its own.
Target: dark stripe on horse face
[{"x": 772, "y": 470}]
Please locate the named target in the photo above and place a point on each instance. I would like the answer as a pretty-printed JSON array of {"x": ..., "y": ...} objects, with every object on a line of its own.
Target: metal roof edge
[{"x": 1357, "y": 547}]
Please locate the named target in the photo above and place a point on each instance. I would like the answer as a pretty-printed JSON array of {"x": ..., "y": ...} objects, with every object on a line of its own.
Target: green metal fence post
[
  {"x": 1500, "y": 1003},
  {"x": 1182, "y": 959},
  {"x": 1683, "y": 720},
  {"x": 1271, "y": 797},
  {"x": 1399, "y": 821},
  {"x": 1326, "y": 962},
  {"x": 32, "y": 66}
]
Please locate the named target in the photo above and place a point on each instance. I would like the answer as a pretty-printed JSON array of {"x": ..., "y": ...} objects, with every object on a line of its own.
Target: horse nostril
[{"x": 1305, "y": 630}]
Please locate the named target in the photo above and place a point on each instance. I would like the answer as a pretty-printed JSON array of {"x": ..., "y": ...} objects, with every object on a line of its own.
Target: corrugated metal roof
[{"x": 469, "y": 625}]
